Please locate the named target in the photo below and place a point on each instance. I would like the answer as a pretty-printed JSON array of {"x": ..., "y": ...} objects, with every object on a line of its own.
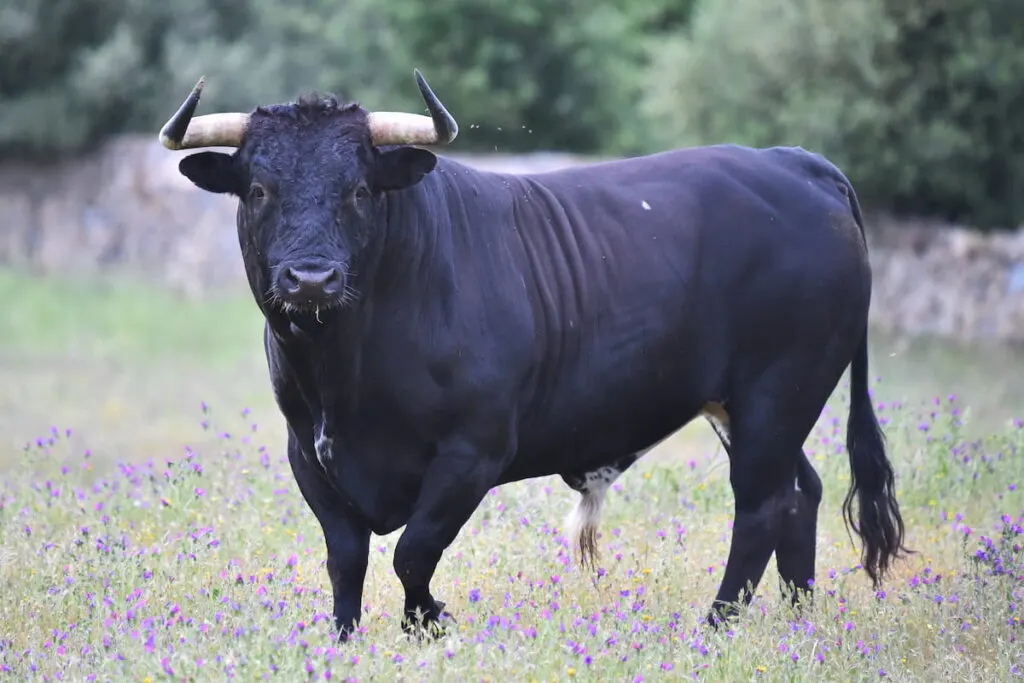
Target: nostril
[
  {"x": 291, "y": 280},
  {"x": 311, "y": 282},
  {"x": 334, "y": 281}
]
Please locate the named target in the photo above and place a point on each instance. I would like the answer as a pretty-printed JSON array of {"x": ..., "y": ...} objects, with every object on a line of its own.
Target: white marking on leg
[
  {"x": 324, "y": 446},
  {"x": 796, "y": 484},
  {"x": 583, "y": 520}
]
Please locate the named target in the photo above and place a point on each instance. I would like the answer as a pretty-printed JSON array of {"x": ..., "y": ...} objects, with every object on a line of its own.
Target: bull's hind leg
[
  {"x": 795, "y": 552},
  {"x": 767, "y": 427},
  {"x": 583, "y": 521}
]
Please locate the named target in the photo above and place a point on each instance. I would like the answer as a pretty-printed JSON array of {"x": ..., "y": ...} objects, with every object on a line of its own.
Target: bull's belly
[{"x": 599, "y": 432}]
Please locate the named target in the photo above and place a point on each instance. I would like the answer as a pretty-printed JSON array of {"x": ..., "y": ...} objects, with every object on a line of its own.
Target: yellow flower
[
  {"x": 760, "y": 669},
  {"x": 571, "y": 671},
  {"x": 147, "y": 679}
]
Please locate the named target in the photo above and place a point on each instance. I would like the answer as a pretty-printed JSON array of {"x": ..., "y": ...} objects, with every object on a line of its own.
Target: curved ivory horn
[
  {"x": 182, "y": 131},
  {"x": 400, "y": 128}
]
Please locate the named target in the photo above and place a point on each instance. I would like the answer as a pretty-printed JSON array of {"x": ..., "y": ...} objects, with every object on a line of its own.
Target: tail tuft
[
  {"x": 582, "y": 526},
  {"x": 879, "y": 523}
]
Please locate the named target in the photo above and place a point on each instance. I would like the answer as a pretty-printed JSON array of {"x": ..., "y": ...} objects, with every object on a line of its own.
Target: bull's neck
[{"x": 415, "y": 259}]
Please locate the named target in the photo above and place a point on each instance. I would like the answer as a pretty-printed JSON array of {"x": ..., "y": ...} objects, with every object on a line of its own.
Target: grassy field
[{"x": 150, "y": 528}]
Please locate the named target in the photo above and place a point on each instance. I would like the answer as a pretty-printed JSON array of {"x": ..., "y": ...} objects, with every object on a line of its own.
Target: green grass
[
  {"x": 126, "y": 363},
  {"x": 178, "y": 548}
]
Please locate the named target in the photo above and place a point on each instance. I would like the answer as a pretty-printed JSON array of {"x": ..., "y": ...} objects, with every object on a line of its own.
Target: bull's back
[{"x": 720, "y": 220}]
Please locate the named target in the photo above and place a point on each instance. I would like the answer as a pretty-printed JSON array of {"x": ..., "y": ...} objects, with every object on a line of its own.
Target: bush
[
  {"x": 915, "y": 100},
  {"x": 547, "y": 74}
]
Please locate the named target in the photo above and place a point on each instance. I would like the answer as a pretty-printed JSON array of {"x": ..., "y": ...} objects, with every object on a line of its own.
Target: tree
[{"x": 917, "y": 100}]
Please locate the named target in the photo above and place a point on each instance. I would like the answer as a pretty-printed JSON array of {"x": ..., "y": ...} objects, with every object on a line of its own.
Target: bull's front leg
[
  {"x": 346, "y": 535},
  {"x": 453, "y": 487}
]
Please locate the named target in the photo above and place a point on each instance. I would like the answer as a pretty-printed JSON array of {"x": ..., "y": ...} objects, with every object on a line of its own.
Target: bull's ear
[
  {"x": 211, "y": 171},
  {"x": 402, "y": 167}
]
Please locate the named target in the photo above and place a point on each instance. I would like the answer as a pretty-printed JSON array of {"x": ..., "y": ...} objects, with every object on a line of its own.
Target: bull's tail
[
  {"x": 879, "y": 523},
  {"x": 872, "y": 481}
]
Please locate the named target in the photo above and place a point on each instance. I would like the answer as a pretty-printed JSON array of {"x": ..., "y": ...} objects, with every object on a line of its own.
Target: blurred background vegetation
[{"x": 921, "y": 102}]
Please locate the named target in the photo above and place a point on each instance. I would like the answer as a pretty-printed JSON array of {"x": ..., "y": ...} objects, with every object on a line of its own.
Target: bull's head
[{"x": 310, "y": 178}]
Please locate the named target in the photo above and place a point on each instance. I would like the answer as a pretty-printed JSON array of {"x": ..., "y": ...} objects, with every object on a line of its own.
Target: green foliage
[
  {"x": 917, "y": 101},
  {"x": 547, "y": 74}
]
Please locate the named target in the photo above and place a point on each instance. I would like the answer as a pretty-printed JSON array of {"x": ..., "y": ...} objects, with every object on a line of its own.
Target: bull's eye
[
  {"x": 256, "y": 192},
  {"x": 362, "y": 192}
]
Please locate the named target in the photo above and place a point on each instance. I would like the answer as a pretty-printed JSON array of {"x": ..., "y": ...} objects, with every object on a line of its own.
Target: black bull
[{"x": 433, "y": 331}]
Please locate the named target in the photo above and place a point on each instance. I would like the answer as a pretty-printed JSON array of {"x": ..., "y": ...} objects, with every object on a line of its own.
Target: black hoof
[
  {"x": 434, "y": 622},
  {"x": 345, "y": 630},
  {"x": 721, "y": 616}
]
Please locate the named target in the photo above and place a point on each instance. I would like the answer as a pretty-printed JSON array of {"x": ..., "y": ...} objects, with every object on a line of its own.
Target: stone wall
[
  {"x": 946, "y": 281},
  {"x": 127, "y": 208}
]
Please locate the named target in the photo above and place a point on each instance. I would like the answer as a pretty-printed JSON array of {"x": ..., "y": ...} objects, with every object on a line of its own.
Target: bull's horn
[
  {"x": 400, "y": 128},
  {"x": 211, "y": 130}
]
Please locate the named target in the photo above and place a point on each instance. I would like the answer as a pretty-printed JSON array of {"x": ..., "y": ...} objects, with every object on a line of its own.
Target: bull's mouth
[{"x": 317, "y": 308}]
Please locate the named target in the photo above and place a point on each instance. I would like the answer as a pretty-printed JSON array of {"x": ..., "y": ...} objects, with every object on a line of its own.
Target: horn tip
[
  {"x": 420, "y": 80},
  {"x": 173, "y": 132},
  {"x": 451, "y": 127}
]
